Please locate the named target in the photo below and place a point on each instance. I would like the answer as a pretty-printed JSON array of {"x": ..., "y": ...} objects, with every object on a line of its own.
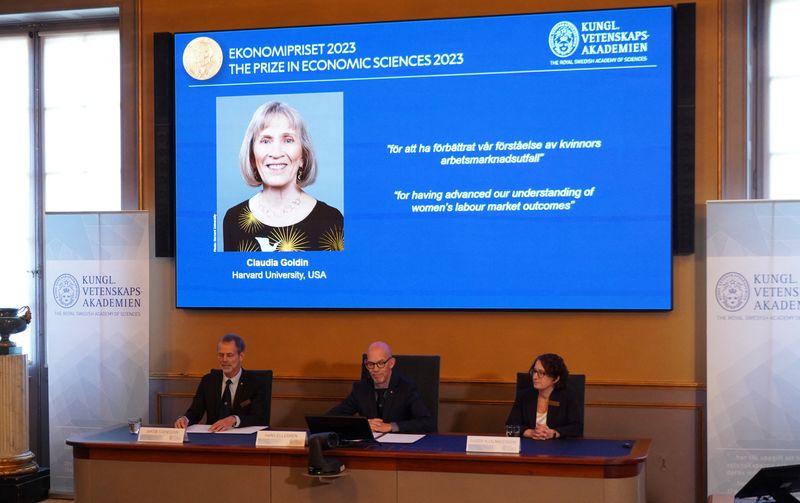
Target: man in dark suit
[
  {"x": 237, "y": 400},
  {"x": 388, "y": 399}
]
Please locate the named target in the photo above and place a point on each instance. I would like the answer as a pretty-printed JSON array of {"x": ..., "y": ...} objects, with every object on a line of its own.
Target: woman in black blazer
[{"x": 548, "y": 410}]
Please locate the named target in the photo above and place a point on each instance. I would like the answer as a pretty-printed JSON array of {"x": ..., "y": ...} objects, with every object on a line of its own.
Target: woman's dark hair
[{"x": 555, "y": 367}]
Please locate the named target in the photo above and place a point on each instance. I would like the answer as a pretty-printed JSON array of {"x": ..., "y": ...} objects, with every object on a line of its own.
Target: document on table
[
  {"x": 203, "y": 428},
  {"x": 398, "y": 438}
]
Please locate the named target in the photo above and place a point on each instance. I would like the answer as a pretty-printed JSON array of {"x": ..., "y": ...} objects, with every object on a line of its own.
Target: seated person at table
[
  {"x": 388, "y": 399},
  {"x": 238, "y": 400},
  {"x": 547, "y": 410}
]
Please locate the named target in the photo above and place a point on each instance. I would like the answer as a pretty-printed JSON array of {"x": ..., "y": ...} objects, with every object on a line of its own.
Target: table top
[{"x": 608, "y": 457}]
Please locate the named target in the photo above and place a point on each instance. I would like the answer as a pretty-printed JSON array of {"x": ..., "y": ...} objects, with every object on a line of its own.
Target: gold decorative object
[{"x": 15, "y": 455}]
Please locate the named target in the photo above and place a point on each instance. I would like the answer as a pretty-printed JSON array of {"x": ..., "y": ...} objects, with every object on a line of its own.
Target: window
[
  {"x": 17, "y": 188},
  {"x": 74, "y": 122},
  {"x": 81, "y": 105},
  {"x": 783, "y": 107}
]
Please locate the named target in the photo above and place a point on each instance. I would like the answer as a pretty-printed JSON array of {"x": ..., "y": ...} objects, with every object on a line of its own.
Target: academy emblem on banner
[
  {"x": 732, "y": 291},
  {"x": 66, "y": 291}
]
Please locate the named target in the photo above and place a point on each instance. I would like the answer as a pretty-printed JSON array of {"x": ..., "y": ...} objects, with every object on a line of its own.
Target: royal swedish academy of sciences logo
[
  {"x": 732, "y": 291},
  {"x": 66, "y": 291},
  {"x": 563, "y": 39}
]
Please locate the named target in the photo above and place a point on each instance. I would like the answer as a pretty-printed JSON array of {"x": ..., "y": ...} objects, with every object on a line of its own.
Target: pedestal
[
  {"x": 28, "y": 488},
  {"x": 15, "y": 455}
]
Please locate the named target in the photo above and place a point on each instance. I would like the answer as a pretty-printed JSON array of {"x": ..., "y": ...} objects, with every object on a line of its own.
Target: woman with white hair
[{"x": 278, "y": 156}]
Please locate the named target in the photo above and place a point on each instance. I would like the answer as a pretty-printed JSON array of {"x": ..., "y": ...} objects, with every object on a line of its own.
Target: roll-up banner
[
  {"x": 753, "y": 321},
  {"x": 96, "y": 293}
]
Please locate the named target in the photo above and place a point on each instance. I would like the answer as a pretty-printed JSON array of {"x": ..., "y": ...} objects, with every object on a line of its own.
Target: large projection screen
[{"x": 508, "y": 162}]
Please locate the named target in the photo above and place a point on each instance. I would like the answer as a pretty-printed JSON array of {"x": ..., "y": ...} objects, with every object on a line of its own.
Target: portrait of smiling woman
[{"x": 278, "y": 156}]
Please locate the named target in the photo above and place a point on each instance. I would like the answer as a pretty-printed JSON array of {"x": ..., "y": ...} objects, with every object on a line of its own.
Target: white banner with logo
[
  {"x": 97, "y": 326},
  {"x": 753, "y": 339}
]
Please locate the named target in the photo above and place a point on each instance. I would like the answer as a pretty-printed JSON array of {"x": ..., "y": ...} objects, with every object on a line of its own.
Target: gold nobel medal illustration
[{"x": 202, "y": 58}]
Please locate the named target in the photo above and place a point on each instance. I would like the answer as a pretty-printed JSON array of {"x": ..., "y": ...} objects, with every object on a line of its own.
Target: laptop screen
[
  {"x": 776, "y": 481},
  {"x": 349, "y": 428}
]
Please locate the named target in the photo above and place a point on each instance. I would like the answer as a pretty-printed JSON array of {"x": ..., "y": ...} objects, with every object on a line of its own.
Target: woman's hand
[{"x": 542, "y": 432}]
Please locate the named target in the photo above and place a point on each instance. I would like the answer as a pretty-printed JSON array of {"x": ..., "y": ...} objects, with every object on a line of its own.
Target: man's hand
[
  {"x": 223, "y": 424},
  {"x": 378, "y": 425},
  {"x": 182, "y": 422}
]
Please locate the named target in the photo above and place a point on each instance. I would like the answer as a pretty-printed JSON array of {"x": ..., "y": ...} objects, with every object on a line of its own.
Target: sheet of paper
[
  {"x": 203, "y": 428},
  {"x": 399, "y": 438}
]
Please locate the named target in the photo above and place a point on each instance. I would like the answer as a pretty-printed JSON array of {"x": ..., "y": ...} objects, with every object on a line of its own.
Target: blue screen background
[{"x": 610, "y": 250}]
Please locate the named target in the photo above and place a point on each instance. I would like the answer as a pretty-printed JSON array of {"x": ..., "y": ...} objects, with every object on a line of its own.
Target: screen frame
[{"x": 676, "y": 67}]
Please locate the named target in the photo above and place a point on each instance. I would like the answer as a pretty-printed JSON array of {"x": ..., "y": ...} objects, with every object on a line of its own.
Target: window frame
[
  {"x": 123, "y": 19},
  {"x": 744, "y": 170}
]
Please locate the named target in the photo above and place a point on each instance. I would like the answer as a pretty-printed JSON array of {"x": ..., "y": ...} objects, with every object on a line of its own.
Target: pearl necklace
[{"x": 283, "y": 210}]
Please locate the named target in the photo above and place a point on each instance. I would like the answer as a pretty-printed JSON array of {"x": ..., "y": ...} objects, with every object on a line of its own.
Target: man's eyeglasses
[
  {"x": 540, "y": 373},
  {"x": 376, "y": 365}
]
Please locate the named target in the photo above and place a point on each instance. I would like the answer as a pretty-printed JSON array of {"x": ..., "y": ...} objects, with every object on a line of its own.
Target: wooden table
[{"x": 111, "y": 466}]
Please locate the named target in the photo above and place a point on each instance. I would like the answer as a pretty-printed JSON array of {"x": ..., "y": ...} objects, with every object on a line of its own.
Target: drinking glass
[{"x": 134, "y": 423}]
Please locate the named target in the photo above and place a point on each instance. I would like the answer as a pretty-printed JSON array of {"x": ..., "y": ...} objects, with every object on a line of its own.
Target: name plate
[
  {"x": 477, "y": 443},
  {"x": 161, "y": 435},
  {"x": 267, "y": 438}
]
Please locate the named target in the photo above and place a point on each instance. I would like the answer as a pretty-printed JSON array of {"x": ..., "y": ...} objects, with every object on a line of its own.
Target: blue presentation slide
[{"x": 508, "y": 162}]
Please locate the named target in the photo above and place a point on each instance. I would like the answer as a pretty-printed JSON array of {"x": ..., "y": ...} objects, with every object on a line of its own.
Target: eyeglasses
[
  {"x": 540, "y": 373},
  {"x": 376, "y": 365}
]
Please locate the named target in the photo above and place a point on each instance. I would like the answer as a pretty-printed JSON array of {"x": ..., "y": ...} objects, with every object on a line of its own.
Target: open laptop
[{"x": 352, "y": 430}]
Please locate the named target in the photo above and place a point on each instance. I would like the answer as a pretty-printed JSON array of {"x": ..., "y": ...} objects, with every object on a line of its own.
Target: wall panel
[{"x": 642, "y": 347}]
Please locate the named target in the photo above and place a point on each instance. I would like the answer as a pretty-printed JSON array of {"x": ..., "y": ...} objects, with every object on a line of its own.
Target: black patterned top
[{"x": 321, "y": 230}]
